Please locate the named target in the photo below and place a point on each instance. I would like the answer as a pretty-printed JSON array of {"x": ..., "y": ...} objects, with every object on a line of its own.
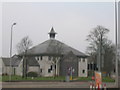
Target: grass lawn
[
  {"x": 19, "y": 78},
  {"x": 60, "y": 78},
  {"x": 104, "y": 79},
  {"x": 108, "y": 79}
]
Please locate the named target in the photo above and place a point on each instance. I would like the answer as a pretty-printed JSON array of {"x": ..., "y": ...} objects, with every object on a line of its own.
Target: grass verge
[{"x": 60, "y": 78}]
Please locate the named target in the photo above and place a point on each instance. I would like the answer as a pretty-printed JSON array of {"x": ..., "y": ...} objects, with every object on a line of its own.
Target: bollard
[
  {"x": 98, "y": 86},
  {"x": 90, "y": 86},
  {"x": 32, "y": 77},
  {"x": 67, "y": 79},
  {"x": 104, "y": 86},
  {"x": 70, "y": 77},
  {"x": 93, "y": 86}
]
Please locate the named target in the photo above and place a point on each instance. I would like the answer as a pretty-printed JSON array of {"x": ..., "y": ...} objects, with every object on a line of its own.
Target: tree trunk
[
  {"x": 23, "y": 73},
  {"x": 54, "y": 71},
  {"x": 25, "y": 67}
]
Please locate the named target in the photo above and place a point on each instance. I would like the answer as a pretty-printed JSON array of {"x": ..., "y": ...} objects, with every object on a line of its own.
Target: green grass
[
  {"x": 19, "y": 78},
  {"x": 60, "y": 78},
  {"x": 104, "y": 79},
  {"x": 84, "y": 78},
  {"x": 108, "y": 79},
  {"x": 0, "y": 78}
]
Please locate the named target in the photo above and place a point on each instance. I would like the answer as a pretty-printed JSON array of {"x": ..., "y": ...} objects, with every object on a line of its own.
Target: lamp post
[
  {"x": 11, "y": 52},
  {"x": 116, "y": 29}
]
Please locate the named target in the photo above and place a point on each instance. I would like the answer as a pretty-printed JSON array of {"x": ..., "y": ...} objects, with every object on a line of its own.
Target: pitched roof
[
  {"x": 6, "y": 61},
  {"x": 53, "y": 46},
  {"x": 70, "y": 55},
  {"x": 52, "y": 31},
  {"x": 31, "y": 61},
  {"x": 14, "y": 61}
]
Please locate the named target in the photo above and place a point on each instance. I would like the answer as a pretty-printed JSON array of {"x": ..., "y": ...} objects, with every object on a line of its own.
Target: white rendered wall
[
  {"x": 34, "y": 69},
  {"x": 82, "y": 65},
  {"x": 45, "y": 64}
]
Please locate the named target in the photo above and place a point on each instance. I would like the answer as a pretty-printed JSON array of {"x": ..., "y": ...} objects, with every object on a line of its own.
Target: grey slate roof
[
  {"x": 50, "y": 47},
  {"x": 6, "y": 61},
  {"x": 52, "y": 31},
  {"x": 16, "y": 61},
  {"x": 31, "y": 61}
]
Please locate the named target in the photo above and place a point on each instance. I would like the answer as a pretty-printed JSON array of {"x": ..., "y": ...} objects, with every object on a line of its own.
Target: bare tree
[
  {"x": 97, "y": 36},
  {"x": 22, "y": 48},
  {"x": 109, "y": 57},
  {"x": 101, "y": 47}
]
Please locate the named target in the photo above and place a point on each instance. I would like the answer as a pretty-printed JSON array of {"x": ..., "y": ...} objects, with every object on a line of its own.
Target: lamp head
[{"x": 14, "y": 23}]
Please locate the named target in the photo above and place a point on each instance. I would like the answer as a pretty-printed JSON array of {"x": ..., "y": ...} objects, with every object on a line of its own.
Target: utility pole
[
  {"x": 99, "y": 54},
  {"x": 116, "y": 29},
  {"x": 11, "y": 51}
]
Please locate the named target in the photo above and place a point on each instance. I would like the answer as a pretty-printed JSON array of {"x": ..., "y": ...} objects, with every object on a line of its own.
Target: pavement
[{"x": 50, "y": 85}]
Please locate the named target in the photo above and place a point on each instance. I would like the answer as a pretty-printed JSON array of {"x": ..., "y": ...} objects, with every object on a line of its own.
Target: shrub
[
  {"x": 4, "y": 74},
  {"x": 32, "y": 74}
]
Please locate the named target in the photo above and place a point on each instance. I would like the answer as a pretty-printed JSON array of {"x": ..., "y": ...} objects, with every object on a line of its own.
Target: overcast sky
[{"x": 71, "y": 20}]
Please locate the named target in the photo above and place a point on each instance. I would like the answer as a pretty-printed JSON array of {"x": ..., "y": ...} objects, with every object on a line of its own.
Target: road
[{"x": 50, "y": 85}]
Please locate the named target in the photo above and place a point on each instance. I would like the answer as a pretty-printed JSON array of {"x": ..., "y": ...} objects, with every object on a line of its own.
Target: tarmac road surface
[{"x": 50, "y": 85}]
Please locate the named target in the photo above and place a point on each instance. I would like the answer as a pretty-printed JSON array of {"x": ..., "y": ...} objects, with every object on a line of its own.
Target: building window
[
  {"x": 55, "y": 66},
  {"x": 41, "y": 58},
  {"x": 41, "y": 70},
  {"x": 83, "y": 71},
  {"x": 88, "y": 66},
  {"x": 50, "y": 69},
  {"x": 38, "y": 58},
  {"x": 49, "y": 58}
]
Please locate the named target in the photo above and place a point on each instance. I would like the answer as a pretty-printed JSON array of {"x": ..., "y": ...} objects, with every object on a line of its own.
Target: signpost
[
  {"x": 98, "y": 80},
  {"x": 118, "y": 45}
]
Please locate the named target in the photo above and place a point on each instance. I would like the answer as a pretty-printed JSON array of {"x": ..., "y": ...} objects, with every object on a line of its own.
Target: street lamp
[
  {"x": 11, "y": 52},
  {"x": 116, "y": 29}
]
